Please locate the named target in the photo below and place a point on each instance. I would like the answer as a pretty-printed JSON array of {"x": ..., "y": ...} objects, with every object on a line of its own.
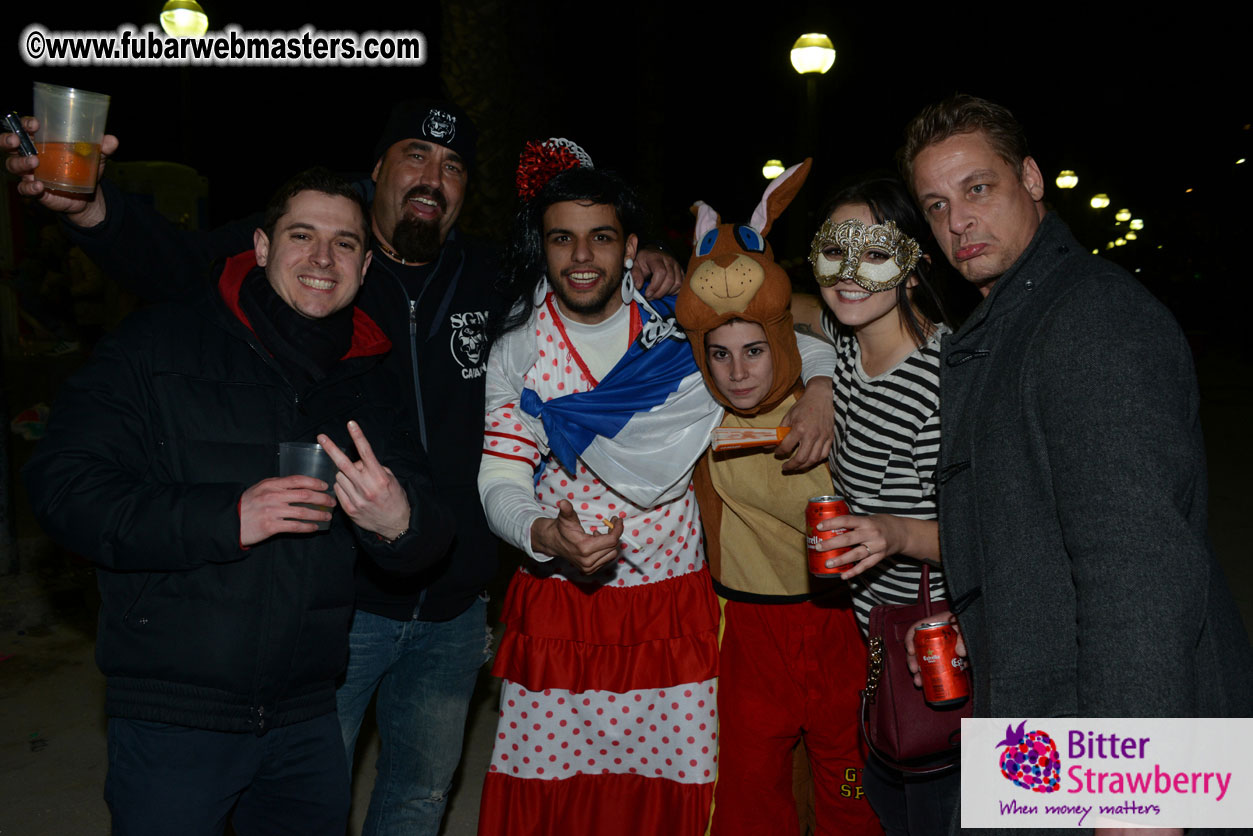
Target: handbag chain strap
[{"x": 875, "y": 667}]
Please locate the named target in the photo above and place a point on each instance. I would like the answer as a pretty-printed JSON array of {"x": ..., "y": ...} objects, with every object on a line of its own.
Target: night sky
[{"x": 689, "y": 102}]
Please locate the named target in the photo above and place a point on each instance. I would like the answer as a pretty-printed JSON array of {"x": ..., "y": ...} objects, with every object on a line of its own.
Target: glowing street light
[
  {"x": 1099, "y": 201},
  {"x": 1130, "y": 236},
  {"x": 1067, "y": 180},
  {"x": 1136, "y": 223},
  {"x": 1120, "y": 242},
  {"x": 813, "y": 53},
  {"x": 1123, "y": 215},
  {"x": 772, "y": 169},
  {"x": 812, "y": 56},
  {"x": 184, "y": 19}
]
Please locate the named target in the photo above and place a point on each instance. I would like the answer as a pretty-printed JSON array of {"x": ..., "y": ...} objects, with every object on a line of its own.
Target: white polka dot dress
[{"x": 607, "y": 717}]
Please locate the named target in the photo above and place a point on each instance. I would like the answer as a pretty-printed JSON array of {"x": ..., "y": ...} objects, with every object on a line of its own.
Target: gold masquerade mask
[{"x": 876, "y": 257}]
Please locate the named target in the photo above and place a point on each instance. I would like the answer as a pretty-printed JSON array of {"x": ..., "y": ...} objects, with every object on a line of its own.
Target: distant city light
[
  {"x": 1099, "y": 201},
  {"x": 1120, "y": 242},
  {"x": 772, "y": 169},
  {"x": 1136, "y": 223},
  {"x": 1130, "y": 236},
  {"x": 1067, "y": 180},
  {"x": 1123, "y": 215}
]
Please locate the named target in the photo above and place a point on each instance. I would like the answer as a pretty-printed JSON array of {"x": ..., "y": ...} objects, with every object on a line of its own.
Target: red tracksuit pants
[{"x": 787, "y": 672}]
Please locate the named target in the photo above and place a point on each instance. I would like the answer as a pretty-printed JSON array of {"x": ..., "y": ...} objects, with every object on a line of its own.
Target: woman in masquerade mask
[{"x": 881, "y": 310}]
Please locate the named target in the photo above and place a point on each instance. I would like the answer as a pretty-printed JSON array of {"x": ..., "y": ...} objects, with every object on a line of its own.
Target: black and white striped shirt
[{"x": 887, "y": 432}]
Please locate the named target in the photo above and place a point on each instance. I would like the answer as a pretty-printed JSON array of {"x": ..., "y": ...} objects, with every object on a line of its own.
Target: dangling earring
[
  {"x": 541, "y": 290},
  {"x": 628, "y": 286}
]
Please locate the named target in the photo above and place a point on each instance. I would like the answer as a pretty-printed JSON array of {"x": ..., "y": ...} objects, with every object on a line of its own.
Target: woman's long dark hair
[
  {"x": 524, "y": 262},
  {"x": 889, "y": 200}
]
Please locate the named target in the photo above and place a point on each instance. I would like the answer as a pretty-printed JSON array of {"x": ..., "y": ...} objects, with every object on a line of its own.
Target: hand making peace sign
[{"x": 367, "y": 491}]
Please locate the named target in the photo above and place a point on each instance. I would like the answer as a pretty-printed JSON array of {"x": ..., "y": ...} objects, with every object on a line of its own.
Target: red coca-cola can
[
  {"x": 945, "y": 681},
  {"x": 823, "y": 508}
]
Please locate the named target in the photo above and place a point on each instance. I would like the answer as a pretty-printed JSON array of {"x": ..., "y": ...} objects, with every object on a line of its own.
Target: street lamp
[
  {"x": 1067, "y": 179},
  {"x": 812, "y": 56},
  {"x": 184, "y": 19},
  {"x": 1122, "y": 215},
  {"x": 1136, "y": 223},
  {"x": 813, "y": 53},
  {"x": 772, "y": 169},
  {"x": 1099, "y": 201}
]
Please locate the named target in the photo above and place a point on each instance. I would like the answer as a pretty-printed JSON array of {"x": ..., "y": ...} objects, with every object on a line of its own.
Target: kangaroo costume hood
[{"x": 733, "y": 275}]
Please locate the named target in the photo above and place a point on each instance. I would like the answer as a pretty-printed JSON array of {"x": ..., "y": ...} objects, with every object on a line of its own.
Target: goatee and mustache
[{"x": 415, "y": 239}]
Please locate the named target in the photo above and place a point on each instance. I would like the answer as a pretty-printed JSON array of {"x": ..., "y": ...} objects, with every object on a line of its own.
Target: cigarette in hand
[{"x": 738, "y": 438}]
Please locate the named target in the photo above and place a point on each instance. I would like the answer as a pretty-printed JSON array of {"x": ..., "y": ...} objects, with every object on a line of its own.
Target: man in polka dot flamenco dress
[{"x": 607, "y": 721}]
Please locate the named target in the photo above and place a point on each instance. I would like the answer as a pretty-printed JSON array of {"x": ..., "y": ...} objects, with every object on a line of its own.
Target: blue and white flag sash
[{"x": 645, "y": 424}]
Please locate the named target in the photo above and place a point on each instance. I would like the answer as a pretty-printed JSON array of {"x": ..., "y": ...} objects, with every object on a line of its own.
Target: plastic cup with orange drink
[{"x": 71, "y": 128}]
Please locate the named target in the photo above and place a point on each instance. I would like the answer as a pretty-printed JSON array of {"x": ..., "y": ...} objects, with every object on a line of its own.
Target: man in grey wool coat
[{"x": 1072, "y": 482}]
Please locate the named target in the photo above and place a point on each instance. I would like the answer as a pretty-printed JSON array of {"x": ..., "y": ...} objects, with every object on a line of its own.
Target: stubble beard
[
  {"x": 983, "y": 278},
  {"x": 585, "y": 306}
]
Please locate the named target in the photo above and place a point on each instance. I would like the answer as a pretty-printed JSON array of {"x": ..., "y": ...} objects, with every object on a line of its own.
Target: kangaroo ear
[
  {"x": 778, "y": 195},
  {"x": 706, "y": 219}
]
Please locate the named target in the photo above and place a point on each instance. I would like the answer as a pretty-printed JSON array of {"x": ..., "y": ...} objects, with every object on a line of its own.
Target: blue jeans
[
  {"x": 424, "y": 672},
  {"x": 173, "y": 779}
]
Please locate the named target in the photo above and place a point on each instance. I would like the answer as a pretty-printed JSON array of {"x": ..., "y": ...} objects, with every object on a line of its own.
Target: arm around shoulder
[
  {"x": 812, "y": 417},
  {"x": 147, "y": 254}
]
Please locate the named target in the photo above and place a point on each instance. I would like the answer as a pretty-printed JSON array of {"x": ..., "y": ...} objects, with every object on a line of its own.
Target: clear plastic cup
[
  {"x": 302, "y": 458},
  {"x": 71, "y": 128}
]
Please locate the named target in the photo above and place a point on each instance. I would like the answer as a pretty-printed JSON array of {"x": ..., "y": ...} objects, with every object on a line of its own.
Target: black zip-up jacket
[
  {"x": 149, "y": 449},
  {"x": 435, "y": 317}
]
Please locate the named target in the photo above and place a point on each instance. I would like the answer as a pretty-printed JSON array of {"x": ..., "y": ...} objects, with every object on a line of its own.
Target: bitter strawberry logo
[{"x": 1030, "y": 759}]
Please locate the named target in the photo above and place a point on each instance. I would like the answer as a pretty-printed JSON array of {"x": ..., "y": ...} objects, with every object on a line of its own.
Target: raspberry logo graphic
[{"x": 1030, "y": 759}]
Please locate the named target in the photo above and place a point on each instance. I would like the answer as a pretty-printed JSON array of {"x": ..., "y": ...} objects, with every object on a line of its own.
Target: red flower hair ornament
[{"x": 542, "y": 160}]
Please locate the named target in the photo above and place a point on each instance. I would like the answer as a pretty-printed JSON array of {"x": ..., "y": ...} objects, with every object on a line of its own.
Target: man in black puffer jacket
[{"x": 224, "y": 617}]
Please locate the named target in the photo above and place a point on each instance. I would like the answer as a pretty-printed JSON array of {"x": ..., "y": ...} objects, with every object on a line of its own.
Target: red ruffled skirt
[{"x": 608, "y": 720}]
